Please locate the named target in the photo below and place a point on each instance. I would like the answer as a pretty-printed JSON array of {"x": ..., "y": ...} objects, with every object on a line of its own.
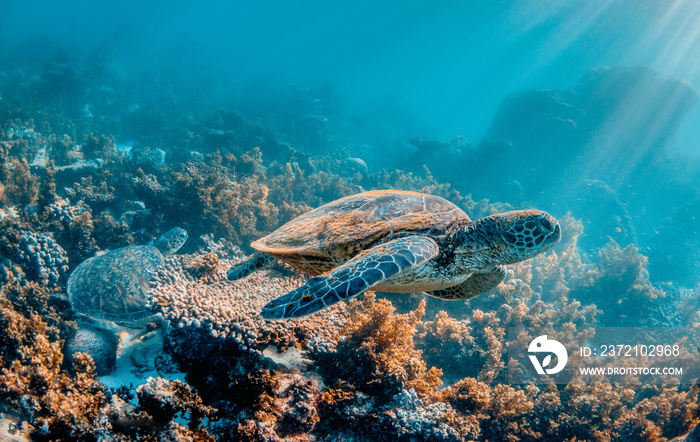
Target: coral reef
[
  {"x": 463, "y": 348},
  {"x": 42, "y": 257},
  {"x": 20, "y": 187},
  {"x": 74, "y": 406},
  {"x": 621, "y": 271},
  {"x": 376, "y": 354},
  {"x": 229, "y": 310},
  {"x": 33, "y": 385},
  {"x": 286, "y": 409},
  {"x": 205, "y": 268},
  {"x": 115, "y": 165},
  {"x": 163, "y": 400}
]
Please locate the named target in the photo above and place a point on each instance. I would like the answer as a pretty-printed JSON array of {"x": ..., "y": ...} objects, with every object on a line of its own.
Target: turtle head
[
  {"x": 509, "y": 237},
  {"x": 171, "y": 241},
  {"x": 523, "y": 234}
]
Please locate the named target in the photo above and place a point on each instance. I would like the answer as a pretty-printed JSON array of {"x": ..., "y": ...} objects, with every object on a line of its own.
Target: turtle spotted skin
[
  {"x": 396, "y": 241},
  {"x": 114, "y": 286}
]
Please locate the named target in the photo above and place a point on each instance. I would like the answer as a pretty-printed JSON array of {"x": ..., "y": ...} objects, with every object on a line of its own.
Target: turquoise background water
[{"x": 446, "y": 65}]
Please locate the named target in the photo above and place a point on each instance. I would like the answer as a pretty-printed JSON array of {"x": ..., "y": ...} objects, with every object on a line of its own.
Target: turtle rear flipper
[
  {"x": 363, "y": 272},
  {"x": 476, "y": 284},
  {"x": 256, "y": 261}
]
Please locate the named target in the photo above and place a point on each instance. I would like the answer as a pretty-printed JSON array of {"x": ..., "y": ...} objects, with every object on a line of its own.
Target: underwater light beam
[
  {"x": 668, "y": 41},
  {"x": 570, "y": 22}
]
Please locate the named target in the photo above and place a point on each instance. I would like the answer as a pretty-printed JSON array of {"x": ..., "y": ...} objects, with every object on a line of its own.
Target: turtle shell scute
[{"x": 114, "y": 286}]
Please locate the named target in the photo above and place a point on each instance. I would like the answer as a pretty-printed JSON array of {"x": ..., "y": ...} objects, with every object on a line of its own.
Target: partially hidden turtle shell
[
  {"x": 331, "y": 234},
  {"x": 114, "y": 286}
]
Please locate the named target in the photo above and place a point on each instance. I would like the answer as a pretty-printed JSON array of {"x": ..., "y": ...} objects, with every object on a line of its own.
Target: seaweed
[
  {"x": 97, "y": 146},
  {"x": 20, "y": 186},
  {"x": 33, "y": 384},
  {"x": 376, "y": 353},
  {"x": 621, "y": 271}
]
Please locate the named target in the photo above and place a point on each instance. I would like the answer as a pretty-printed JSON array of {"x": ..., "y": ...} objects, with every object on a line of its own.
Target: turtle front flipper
[
  {"x": 476, "y": 284},
  {"x": 256, "y": 261},
  {"x": 363, "y": 272}
]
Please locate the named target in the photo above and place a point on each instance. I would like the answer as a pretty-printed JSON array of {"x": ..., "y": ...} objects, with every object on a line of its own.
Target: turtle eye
[{"x": 544, "y": 222}]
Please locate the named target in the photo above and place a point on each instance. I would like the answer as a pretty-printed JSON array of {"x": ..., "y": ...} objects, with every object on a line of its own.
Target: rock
[
  {"x": 355, "y": 165},
  {"x": 612, "y": 114},
  {"x": 100, "y": 344}
]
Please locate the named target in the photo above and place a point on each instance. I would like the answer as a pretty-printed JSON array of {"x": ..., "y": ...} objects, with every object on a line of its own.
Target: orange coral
[
  {"x": 20, "y": 186},
  {"x": 377, "y": 350},
  {"x": 56, "y": 404},
  {"x": 30, "y": 370},
  {"x": 373, "y": 327}
]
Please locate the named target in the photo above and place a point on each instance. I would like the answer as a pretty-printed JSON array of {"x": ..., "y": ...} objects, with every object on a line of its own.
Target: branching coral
[
  {"x": 205, "y": 268},
  {"x": 20, "y": 186},
  {"x": 376, "y": 353},
  {"x": 475, "y": 347},
  {"x": 286, "y": 409},
  {"x": 163, "y": 399},
  {"x": 63, "y": 150},
  {"x": 621, "y": 287},
  {"x": 464, "y": 348},
  {"x": 97, "y": 146},
  {"x": 99, "y": 196},
  {"x": 572, "y": 412},
  {"x": 30, "y": 367},
  {"x": 228, "y": 206},
  {"x": 10, "y": 236},
  {"x": 375, "y": 364}
]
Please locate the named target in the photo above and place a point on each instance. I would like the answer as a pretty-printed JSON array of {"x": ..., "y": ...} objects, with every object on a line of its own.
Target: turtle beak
[
  {"x": 551, "y": 238},
  {"x": 557, "y": 232},
  {"x": 554, "y": 230},
  {"x": 550, "y": 227}
]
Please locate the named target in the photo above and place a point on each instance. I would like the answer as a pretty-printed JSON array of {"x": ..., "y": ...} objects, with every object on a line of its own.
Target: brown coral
[
  {"x": 241, "y": 192},
  {"x": 163, "y": 399},
  {"x": 30, "y": 367},
  {"x": 229, "y": 310},
  {"x": 20, "y": 186},
  {"x": 377, "y": 349},
  {"x": 61, "y": 405}
]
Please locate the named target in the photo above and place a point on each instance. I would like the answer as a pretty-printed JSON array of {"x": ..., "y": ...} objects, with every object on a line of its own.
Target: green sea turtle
[
  {"x": 396, "y": 241},
  {"x": 114, "y": 286}
]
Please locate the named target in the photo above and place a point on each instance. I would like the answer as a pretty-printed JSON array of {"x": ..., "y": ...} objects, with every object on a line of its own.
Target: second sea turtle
[
  {"x": 396, "y": 241},
  {"x": 114, "y": 286}
]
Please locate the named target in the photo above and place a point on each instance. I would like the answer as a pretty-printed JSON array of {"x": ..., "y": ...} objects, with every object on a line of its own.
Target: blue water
[{"x": 446, "y": 64}]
